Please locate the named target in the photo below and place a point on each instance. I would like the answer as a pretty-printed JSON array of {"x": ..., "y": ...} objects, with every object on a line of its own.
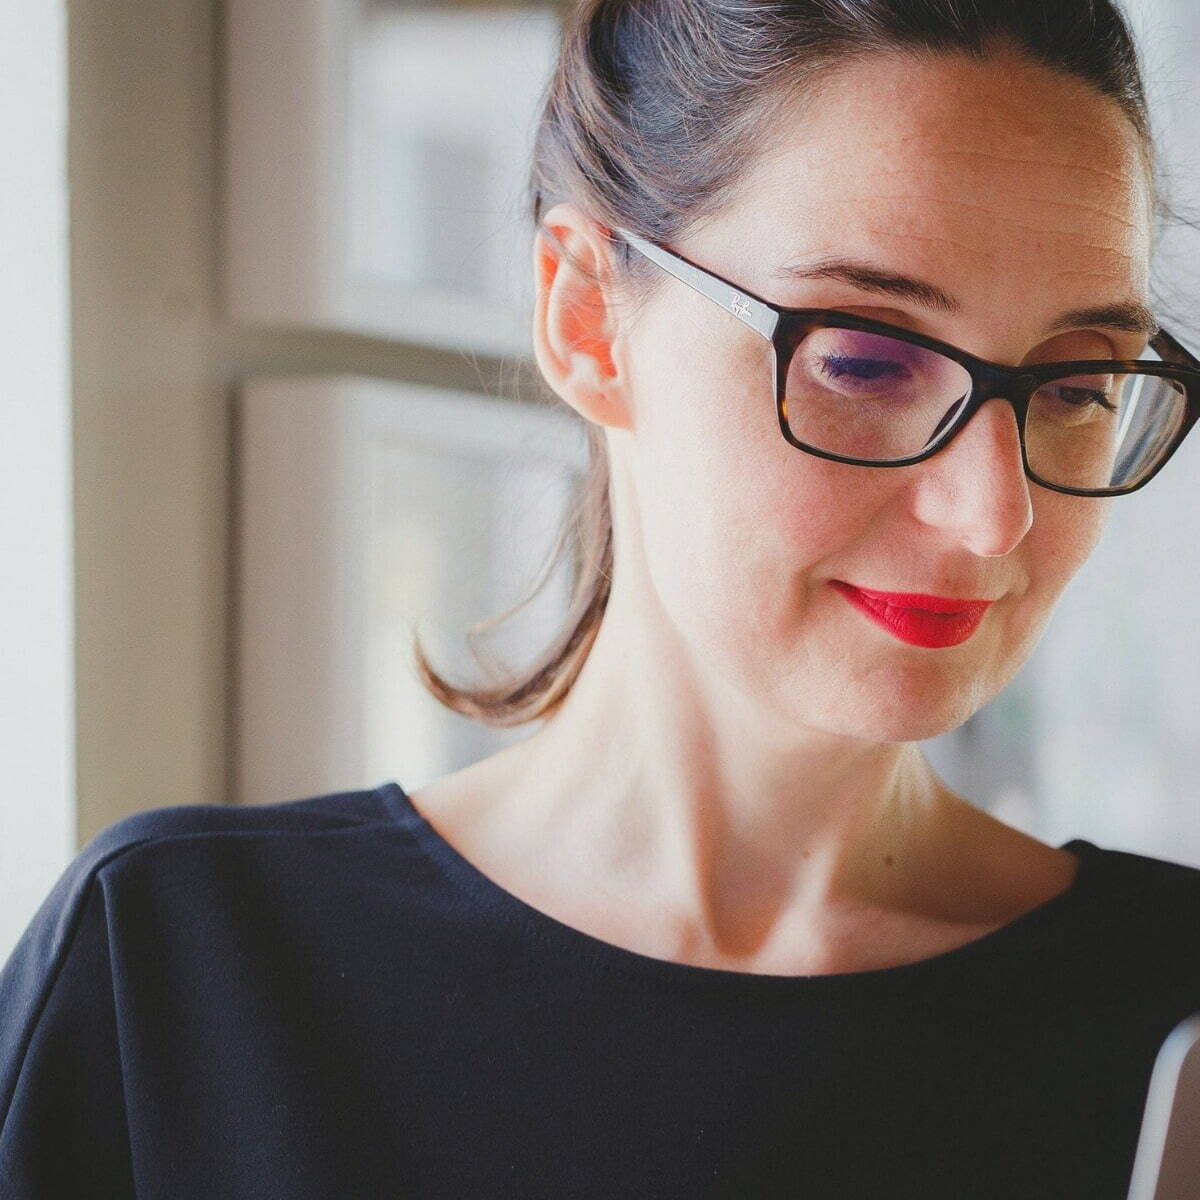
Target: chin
[
  {"x": 909, "y": 712},
  {"x": 919, "y": 730}
]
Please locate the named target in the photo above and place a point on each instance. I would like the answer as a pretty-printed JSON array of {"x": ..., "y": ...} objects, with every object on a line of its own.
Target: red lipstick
[{"x": 920, "y": 620}]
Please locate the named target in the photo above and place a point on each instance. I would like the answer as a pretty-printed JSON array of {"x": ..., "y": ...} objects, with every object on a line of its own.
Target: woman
[{"x": 716, "y": 929}]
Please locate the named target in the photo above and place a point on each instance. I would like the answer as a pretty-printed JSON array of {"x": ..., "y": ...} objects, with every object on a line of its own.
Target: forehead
[{"x": 994, "y": 173}]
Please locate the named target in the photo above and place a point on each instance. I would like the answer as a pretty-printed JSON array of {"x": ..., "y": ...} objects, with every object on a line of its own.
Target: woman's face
[{"x": 1019, "y": 193}]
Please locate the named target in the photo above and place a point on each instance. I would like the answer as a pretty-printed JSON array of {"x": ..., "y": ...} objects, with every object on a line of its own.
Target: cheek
[
  {"x": 1064, "y": 533},
  {"x": 739, "y": 536},
  {"x": 732, "y": 516},
  {"x": 702, "y": 387}
]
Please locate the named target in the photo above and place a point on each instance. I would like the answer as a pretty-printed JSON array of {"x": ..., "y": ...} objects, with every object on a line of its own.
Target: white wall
[{"x": 37, "y": 811}]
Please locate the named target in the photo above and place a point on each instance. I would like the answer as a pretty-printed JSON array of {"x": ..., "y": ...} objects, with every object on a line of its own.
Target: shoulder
[
  {"x": 172, "y": 900},
  {"x": 153, "y": 829},
  {"x": 1145, "y": 913},
  {"x": 1140, "y": 886},
  {"x": 1147, "y": 877},
  {"x": 143, "y": 846},
  {"x": 312, "y": 815}
]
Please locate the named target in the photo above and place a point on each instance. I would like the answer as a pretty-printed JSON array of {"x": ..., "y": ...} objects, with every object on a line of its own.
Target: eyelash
[{"x": 843, "y": 367}]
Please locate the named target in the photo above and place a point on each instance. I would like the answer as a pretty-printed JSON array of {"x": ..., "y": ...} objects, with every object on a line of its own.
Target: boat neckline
[{"x": 1031, "y": 929}]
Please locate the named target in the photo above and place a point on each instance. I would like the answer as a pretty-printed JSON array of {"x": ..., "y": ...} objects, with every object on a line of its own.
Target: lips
[{"x": 919, "y": 619}]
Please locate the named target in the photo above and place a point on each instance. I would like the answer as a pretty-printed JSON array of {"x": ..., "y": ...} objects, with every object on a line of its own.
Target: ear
[{"x": 574, "y": 325}]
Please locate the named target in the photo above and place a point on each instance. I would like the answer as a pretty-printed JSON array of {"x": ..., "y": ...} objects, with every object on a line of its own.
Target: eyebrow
[{"x": 1129, "y": 316}]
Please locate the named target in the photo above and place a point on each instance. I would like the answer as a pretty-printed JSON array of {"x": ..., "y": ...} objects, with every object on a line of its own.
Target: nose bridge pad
[
  {"x": 995, "y": 386},
  {"x": 1006, "y": 395},
  {"x": 996, "y": 393},
  {"x": 1002, "y": 395},
  {"x": 947, "y": 417}
]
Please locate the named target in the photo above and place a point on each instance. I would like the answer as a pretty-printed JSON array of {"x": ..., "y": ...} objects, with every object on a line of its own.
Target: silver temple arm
[{"x": 759, "y": 316}]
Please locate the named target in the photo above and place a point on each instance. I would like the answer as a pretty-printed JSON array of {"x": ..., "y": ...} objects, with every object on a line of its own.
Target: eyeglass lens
[{"x": 876, "y": 398}]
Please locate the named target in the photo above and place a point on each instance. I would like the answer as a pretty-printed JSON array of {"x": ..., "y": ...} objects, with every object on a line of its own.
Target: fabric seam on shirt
[
  {"x": 93, "y": 875},
  {"x": 56, "y": 970}
]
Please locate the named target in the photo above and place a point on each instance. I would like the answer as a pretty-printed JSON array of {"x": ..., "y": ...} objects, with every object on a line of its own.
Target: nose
[{"x": 976, "y": 487}]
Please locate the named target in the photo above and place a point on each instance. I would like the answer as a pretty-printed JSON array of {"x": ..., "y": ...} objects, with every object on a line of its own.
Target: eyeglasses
[{"x": 864, "y": 392}]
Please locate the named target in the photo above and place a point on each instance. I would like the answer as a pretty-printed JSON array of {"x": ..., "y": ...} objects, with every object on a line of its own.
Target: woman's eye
[
  {"x": 1082, "y": 397},
  {"x": 862, "y": 370}
]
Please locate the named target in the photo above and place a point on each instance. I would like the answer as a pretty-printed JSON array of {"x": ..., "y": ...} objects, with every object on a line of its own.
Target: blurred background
[{"x": 266, "y": 286}]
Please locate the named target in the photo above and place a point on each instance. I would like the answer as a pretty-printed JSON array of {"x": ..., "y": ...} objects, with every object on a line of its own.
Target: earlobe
[{"x": 573, "y": 325}]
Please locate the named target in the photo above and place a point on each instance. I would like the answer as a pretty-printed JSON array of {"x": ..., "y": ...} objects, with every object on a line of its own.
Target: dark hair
[{"x": 653, "y": 114}]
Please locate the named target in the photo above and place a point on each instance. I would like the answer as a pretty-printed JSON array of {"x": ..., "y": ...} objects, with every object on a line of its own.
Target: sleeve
[{"x": 63, "y": 1124}]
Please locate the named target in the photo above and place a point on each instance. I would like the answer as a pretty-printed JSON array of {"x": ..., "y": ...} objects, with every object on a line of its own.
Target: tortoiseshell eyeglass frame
[{"x": 786, "y": 328}]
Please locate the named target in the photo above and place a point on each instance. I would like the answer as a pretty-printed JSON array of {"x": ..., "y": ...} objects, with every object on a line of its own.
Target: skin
[{"x": 733, "y": 781}]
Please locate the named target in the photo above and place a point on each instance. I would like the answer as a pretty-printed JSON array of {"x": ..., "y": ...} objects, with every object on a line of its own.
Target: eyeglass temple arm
[
  {"x": 760, "y": 316},
  {"x": 1172, "y": 351},
  {"x": 764, "y": 319}
]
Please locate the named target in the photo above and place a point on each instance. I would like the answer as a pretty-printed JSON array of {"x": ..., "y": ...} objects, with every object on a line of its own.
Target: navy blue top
[{"x": 323, "y": 998}]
